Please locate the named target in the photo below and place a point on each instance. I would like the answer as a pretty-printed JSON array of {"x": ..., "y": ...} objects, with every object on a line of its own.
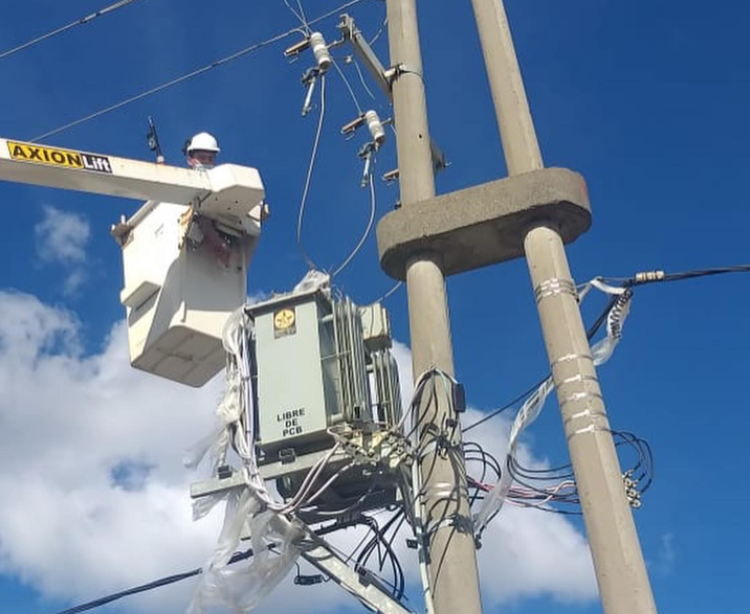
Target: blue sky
[{"x": 647, "y": 100}]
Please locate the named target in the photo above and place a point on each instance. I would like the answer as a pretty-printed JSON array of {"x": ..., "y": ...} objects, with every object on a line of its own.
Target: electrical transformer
[{"x": 324, "y": 366}]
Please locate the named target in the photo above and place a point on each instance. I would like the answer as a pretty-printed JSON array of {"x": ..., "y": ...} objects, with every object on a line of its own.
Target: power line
[
  {"x": 649, "y": 277},
  {"x": 303, "y": 17},
  {"x": 311, "y": 166},
  {"x": 236, "y": 558},
  {"x": 101, "y": 601},
  {"x": 362, "y": 78},
  {"x": 192, "y": 74},
  {"x": 348, "y": 86},
  {"x": 507, "y": 406},
  {"x": 298, "y": 16},
  {"x": 365, "y": 234},
  {"x": 72, "y": 24},
  {"x": 638, "y": 279}
]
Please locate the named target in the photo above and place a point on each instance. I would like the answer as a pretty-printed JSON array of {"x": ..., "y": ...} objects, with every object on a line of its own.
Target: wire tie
[
  {"x": 591, "y": 428},
  {"x": 569, "y": 357},
  {"x": 579, "y": 377},
  {"x": 585, "y": 413},
  {"x": 580, "y": 396},
  {"x": 553, "y": 287}
]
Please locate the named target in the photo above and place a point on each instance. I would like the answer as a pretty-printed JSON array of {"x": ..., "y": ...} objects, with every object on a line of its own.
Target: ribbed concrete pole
[
  {"x": 446, "y": 519},
  {"x": 620, "y": 569}
]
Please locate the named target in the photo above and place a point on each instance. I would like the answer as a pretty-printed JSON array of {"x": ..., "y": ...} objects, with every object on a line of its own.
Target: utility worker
[{"x": 201, "y": 151}]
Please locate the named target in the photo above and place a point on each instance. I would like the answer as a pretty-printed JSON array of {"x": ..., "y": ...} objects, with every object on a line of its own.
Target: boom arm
[{"x": 228, "y": 193}]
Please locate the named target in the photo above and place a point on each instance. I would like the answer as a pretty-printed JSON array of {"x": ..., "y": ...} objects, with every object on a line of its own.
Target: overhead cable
[
  {"x": 167, "y": 580},
  {"x": 194, "y": 73},
  {"x": 102, "y": 601},
  {"x": 310, "y": 167},
  {"x": 348, "y": 87},
  {"x": 299, "y": 15},
  {"x": 639, "y": 279},
  {"x": 72, "y": 24},
  {"x": 365, "y": 234},
  {"x": 648, "y": 277}
]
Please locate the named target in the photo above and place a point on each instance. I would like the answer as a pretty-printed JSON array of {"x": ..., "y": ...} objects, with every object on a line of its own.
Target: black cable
[
  {"x": 96, "y": 603},
  {"x": 507, "y": 406},
  {"x": 660, "y": 277},
  {"x": 378, "y": 540},
  {"x": 237, "y": 557},
  {"x": 474, "y": 453},
  {"x": 593, "y": 329},
  {"x": 72, "y": 24}
]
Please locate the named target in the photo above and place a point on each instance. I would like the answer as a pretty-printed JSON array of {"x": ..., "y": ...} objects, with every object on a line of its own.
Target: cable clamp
[
  {"x": 445, "y": 490},
  {"x": 394, "y": 72},
  {"x": 459, "y": 522}
]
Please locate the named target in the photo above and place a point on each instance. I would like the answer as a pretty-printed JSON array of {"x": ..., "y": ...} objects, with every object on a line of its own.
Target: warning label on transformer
[
  {"x": 290, "y": 422},
  {"x": 52, "y": 156}
]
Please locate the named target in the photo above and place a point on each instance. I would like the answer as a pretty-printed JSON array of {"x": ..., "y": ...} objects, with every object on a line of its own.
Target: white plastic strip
[
  {"x": 242, "y": 586},
  {"x": 601, "y": 352}
]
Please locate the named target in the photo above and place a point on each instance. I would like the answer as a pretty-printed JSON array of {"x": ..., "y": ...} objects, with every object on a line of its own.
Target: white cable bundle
[{"x": 241, "y": 587}]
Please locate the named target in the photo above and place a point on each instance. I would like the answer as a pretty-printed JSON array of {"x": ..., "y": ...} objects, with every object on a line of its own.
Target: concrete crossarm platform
[{"x": 484, "y": 224}]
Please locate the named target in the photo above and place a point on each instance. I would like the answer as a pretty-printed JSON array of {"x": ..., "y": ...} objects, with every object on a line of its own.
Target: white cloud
[
  {"x": 666, "y": 557},
  {"x": 96, "y": 499},
  {"x": 61, "y": 238}
]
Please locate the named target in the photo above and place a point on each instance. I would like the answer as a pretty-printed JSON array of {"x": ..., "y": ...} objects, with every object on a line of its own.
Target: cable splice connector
[
  {"x": 302, "y": 580},
  {"x": 631, "y": 489},
  {"x": 648, "y": 276}
]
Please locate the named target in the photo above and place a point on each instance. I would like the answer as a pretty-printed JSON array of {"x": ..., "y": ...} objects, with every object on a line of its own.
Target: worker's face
[{"x": 201, "y": 159}]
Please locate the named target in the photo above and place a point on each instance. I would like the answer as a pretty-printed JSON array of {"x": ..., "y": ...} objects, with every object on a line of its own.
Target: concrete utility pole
[
  {"x": 446, "y": 518},
  {"x": 620, "y": 569}
]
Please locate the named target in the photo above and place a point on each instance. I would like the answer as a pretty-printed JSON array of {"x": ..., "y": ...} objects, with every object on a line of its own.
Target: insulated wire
[
  {"x": 348, "y": 85},
  {"x": 237, "y": 557},
  {"x": 72, "y": 24},
  {"x": 362, "y": 78},
  {"x": 589, "y": 334},
  {"x": 303, "y": 20},
  {"x": 507, "y": 406},
  {"x": 372, "y": 41},
  {"x": 297, "y": 15},
  {"x": 194, "y": 73},
  {"x": 365, "y": 234},
  {"x": 626, "y": 282},
  {"x": 302, "y": 13},
  {"x": 308, "y": 179},
  {"x": 97, "y": 603},
  {"x": 667, "y": 277},
  {"x": 388, "y": 294}
]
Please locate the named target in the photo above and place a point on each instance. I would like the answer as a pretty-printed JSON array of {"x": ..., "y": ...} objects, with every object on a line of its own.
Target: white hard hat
[{"x": 203, "y": 141}]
